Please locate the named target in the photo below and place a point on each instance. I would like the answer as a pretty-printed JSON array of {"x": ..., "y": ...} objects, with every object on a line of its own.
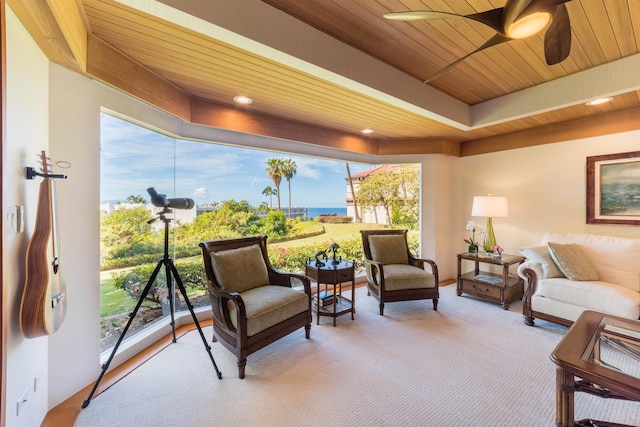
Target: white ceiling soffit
[{"x": 256, "y": 27}]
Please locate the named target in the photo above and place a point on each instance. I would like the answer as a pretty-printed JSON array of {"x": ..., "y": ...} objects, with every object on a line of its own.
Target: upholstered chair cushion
[
  {"x": 269, "y": 305},
  {"x": 389, "y": 249},
  {"x": 405, "y": 276},
  {"x": 241, "y": 269},
  {"x": 540, "y": 254},
  {"x": 572, "y": 261}
]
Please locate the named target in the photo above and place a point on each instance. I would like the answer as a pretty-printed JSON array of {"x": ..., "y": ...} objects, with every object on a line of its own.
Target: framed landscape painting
[{"x": 613, "y": 189}]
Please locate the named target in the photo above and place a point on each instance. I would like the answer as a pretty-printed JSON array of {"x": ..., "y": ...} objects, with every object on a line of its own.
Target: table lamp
[{"x": 490, "y": 207}]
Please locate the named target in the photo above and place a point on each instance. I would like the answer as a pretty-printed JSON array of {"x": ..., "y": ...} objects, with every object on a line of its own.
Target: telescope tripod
[{"x": 170, "y": 271}]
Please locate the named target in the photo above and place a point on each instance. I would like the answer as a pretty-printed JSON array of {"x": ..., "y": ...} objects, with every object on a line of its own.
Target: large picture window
[{"x": 301, "y": 203}]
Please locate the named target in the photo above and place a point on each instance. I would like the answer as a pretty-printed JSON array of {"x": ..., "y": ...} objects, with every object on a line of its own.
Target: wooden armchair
[
  {"x": 253, "y": 304},
  {"x": 393, "y": 274}
]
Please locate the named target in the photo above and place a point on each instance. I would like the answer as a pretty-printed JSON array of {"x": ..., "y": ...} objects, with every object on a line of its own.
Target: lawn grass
[
  {"x": 333, "y": 232},
  {"x": 112, "y": 300}
]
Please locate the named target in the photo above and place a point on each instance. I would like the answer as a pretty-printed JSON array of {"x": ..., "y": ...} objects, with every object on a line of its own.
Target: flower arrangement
[
  {"x": 474, "y": 228},
  {"x": 496, "y": 250}
]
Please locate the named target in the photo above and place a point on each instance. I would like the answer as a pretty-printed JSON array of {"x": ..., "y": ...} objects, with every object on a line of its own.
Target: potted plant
[{"x": 473, "y": 227}]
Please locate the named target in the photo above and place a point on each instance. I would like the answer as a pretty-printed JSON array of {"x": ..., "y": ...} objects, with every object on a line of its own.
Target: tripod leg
[
  {"x": 171, "y": 296},
  {"x": 193, "y": 315},
  {"x": 126, "y": 328}
]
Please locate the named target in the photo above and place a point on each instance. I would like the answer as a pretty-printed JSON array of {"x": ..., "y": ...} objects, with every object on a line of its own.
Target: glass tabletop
[{"x": 615, "y": 346}]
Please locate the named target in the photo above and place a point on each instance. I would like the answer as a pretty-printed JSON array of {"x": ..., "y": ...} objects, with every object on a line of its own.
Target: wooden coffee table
[{"x": 603, "y": 353}]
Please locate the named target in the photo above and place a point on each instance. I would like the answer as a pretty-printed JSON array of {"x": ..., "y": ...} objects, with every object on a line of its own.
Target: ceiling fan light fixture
[{"x": 528, "y": 25}]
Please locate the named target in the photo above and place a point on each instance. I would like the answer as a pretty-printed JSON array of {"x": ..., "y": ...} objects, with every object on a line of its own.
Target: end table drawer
[
  {"x": 482, "y": 289},
  {"x": 344, "y": 275}
]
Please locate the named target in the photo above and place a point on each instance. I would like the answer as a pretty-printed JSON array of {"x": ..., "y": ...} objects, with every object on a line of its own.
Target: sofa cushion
[
  {"x": 617, "y": 259},
  {"x": 405, "y": 276},
  {"x": 266, "y": 306},
  {"x": 572, "y": 261},
  {"x": 238, "y": 270},
  {"x": 593, "y": 295},
  {"x": 540, "y": 254},
  {"x": 389, "y": 249}
]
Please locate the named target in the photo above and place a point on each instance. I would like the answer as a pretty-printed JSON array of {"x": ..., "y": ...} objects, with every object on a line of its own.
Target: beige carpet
[{"x": 468, "y": 364}]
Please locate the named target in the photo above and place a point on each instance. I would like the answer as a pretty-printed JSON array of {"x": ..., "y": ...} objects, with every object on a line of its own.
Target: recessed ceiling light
[
  {"x": 243, "y": 100},
  {"x": 599, "y": 101},
  {"x": 367, "y": 131}
]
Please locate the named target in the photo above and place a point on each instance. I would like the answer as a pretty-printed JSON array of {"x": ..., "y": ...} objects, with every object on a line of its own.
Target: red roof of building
[{"x": 378, "y": 169}]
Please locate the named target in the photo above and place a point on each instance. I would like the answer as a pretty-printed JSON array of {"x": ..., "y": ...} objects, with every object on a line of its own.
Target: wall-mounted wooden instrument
[{"x": 44, "y": 299}]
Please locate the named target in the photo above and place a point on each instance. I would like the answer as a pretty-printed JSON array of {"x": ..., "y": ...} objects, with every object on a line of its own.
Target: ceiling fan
[{"x": 518, "y": 19}]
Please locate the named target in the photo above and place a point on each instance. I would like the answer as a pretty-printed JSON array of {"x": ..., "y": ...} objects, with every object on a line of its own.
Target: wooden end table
[
  {"x": 499, "y": 288},
  {"x": 603, "y": 351},
  {"x": 333, "y": 275}
]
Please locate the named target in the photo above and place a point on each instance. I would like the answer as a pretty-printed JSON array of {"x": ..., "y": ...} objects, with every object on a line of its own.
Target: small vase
[
  {"x": 489, "y": 237},
  {"x": 473, "y": 249}
]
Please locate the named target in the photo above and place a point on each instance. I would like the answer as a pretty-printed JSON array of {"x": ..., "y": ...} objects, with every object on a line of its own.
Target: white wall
[
  {"x": 545, "y": 186},
  {"x": 75, "y": 137},
  {"x": 27, "y": 135}
]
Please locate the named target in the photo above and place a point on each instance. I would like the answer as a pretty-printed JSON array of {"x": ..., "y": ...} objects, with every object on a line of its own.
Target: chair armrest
[
  {"x": 219, "y": 299},
  {"x": 374, "y": 271},
  {"x": 420, "y": 262},
  {"x": 277, "y": 277},
  {"x": 531, "y": 272}
]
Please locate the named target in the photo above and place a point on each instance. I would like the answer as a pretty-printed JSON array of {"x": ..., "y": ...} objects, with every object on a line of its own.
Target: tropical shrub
[
  {"x": 134, "y": 280},
  {"x": 275, "y": 224}
]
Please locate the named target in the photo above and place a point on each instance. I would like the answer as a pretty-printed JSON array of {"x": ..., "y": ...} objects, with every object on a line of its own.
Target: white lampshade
[{"x": 490, "y": 206}]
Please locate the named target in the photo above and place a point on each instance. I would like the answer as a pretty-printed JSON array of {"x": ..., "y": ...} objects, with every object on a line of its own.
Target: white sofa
[{"x": 610, "y": 282}]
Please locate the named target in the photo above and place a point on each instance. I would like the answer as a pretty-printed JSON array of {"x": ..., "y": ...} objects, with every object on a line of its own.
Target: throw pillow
[
  {"x": 572, "y": 261},
  {"x": 540, "y": 254},
  {"x": 389, "y": 249},
  {"x": 240, "y": 269}
]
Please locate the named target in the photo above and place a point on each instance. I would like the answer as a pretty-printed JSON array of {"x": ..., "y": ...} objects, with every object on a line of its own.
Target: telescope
[{"x": 161, "y": 201}]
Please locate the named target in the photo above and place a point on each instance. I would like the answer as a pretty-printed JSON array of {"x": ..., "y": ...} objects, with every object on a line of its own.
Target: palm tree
[
  {"x": 274, "y": 169},
  {"x": 270, "y": 192},
  {"x": 289, "y": 169},
  {"x": 136, "y": 199},
  {"x": 264, "y": 208},
  {"x": 353, "y": 194}
]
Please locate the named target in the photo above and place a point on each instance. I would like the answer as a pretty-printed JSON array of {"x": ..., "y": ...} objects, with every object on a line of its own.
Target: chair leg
[
  {"x": 241, "y": 365},
  {"x": 381, "y": 309},
  {"x": 435, "y": 304},
  {"x": 307, "y": 331}
]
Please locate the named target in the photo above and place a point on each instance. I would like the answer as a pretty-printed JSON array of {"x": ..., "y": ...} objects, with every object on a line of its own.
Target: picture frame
[{"x": 613, "y": 189}]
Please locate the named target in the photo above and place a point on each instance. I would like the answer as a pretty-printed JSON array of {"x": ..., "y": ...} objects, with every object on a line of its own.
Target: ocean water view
[{"x": 314, "y": 212}]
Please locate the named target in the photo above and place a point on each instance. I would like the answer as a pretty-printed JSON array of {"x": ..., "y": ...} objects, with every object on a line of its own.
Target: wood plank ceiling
[{"x": 206, "y": 67}]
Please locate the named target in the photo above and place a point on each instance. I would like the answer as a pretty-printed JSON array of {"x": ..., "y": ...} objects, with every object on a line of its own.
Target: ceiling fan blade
[
  {"x": 557, "y": 39},
  {"x": 419, "y": 15},
  {"x": 495, "y": 40},
  {"x": 540, "y": 5},
  {"x": 491, "y": 18}
]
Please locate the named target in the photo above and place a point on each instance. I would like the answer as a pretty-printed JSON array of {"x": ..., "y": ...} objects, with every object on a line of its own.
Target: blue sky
[{"x": 134, "y": 158}]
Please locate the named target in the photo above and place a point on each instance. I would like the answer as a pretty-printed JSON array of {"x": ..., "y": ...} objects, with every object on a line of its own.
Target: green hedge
[{"x": 334, "y": 219}]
